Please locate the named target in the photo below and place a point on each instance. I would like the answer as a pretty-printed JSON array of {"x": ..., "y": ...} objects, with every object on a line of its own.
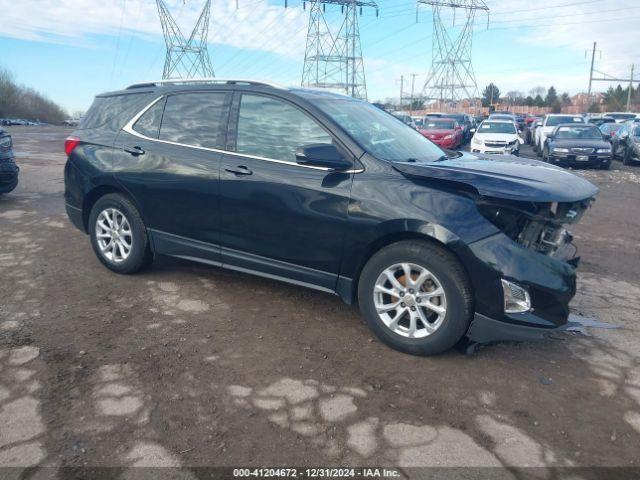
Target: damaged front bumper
[{"x": 549, "y": 281}]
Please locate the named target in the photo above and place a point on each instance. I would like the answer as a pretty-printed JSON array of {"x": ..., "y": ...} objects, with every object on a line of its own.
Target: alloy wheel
[
  {"x": 410, "y": 300},
  {"x": 114, "y": 235}
]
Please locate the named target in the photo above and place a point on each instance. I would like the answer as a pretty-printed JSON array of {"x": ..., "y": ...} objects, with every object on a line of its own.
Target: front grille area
[
  {"x": 495, "y": 144},
  {"x": 582, "y": 151}
]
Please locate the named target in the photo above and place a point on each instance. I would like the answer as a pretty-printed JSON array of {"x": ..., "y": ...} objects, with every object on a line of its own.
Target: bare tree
[{"x": 17, "y": 101}]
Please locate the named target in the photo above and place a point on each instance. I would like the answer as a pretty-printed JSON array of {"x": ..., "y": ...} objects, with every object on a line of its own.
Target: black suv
[
  {"x": 328, "y": 192},
  {"x": 8, "y": 168}
]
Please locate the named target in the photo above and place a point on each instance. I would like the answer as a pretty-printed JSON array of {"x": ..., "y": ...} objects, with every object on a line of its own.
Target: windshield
[
  {"x": 577, "y": 133},
  {"x": 439, "y": 124},
  {"x": 501, "y": 117},
  {"x": 497, "y": 127},
  {"x": 553, "y": 121},
  {"x": 378, "y": 132}
]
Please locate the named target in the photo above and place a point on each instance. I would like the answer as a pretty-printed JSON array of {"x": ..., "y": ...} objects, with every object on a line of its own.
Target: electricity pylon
[
  {"x": 451, "y": 77},
  {"x": 185, "y": 58},
  {"x": 334, "y": 61}
]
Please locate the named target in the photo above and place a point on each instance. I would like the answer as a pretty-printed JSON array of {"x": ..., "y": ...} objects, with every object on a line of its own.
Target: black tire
[
  {"x": 626, "y": 157},
  {"x": 539, "y": 151},
  {"x": 451, "y": 276},
  {"x": 140, "y": 254},
  {"x": 545, "y": 154}
]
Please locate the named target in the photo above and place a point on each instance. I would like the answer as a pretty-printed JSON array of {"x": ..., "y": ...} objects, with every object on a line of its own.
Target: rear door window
[
  {"x": 274, "y": 129},
  {"x": 149, "y": 123},
  {"x": 198, "y": 119}
]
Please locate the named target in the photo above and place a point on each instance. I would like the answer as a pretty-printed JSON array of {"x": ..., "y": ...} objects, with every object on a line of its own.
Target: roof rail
[{"x": 182, "y": 81}]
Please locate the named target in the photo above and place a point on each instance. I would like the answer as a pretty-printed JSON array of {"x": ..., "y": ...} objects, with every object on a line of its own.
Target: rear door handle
[
  {"x": 135, "y": 151},
  {"x": 239, "y": 170}
]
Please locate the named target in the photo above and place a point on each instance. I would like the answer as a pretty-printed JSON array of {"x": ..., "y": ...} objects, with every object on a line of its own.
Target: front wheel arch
[{"x": 389, "y": 239}]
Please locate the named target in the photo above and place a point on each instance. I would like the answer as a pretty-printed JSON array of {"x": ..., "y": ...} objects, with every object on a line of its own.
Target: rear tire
[
  {"x": 443, "y": 329},
  {"x": 115, "y": 220}
]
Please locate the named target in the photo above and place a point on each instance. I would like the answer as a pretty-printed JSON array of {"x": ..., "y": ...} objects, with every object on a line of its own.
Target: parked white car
[
  {"x": 550, "y": 122},
  {"x": 622, "y": 117},
  {"x": 496, "y": 136}
]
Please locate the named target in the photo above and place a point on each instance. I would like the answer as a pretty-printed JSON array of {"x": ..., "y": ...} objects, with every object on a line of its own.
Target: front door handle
[
  {"x": 239, "y": 170},
  {"x": 135, "y": 151}
]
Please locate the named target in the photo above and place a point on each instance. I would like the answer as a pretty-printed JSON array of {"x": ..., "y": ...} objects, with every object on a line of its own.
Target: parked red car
[{"x": 444, "y": 132}]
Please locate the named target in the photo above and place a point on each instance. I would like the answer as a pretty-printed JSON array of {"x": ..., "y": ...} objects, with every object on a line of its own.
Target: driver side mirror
[
  {"x": 538, "y": 124},
  {"x": 473, "y": 130},
  {"x": 322, "y": 155}
]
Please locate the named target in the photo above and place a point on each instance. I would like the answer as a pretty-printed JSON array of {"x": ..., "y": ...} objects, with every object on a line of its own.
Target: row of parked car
[
  {"x": 613, "y": 135},
  {"x": 18, "y": 121},
  {"x": 447, "y": 130},
  {"x": 590, "y": 140}
]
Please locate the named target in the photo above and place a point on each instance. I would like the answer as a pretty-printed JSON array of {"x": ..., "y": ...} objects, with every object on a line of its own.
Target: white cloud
[{"x": 256, "y": 25}]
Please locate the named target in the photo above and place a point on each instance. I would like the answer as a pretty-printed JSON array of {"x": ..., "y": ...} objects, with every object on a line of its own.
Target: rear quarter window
[
  {"x": 149, "y": 123},
  {"x": 114, "y": 111}
]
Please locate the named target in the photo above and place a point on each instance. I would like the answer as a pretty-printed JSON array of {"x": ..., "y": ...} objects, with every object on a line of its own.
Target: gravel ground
[{"x": 187, "y": 365}]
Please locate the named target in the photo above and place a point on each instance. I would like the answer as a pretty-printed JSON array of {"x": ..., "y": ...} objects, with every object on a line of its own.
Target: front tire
[
  {"x": 626, "y": 157},
  {"x": 416, "y": 297},
  {"x": 118, "y": 235}
]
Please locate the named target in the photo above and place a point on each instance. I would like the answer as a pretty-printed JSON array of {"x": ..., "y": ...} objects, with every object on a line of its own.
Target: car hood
[
  {"x": 437, "y": 131},
  {"x": 577, "y": 143},
  {"x": 508, "y": 177}
]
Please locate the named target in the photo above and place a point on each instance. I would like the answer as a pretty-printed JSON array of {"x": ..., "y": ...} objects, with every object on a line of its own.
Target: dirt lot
[{"x": 189, "y": 365}]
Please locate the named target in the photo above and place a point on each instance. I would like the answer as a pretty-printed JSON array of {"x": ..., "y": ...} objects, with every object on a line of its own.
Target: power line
[
  {"x": 334, "y": 59},
  {"x": 186, "y": 58}
]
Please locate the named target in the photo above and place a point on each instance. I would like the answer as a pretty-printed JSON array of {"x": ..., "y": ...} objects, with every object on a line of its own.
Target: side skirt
[{"x": 188, "y": 249}]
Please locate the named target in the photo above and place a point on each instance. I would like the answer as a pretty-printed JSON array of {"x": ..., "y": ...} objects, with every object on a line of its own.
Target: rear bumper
[
  {"x": 8, "y": 175},
  {"x": 75, "y": 215}
]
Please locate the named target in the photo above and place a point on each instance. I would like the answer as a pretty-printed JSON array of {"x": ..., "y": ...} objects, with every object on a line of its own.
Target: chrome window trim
[{"x": 129, "y": 129}]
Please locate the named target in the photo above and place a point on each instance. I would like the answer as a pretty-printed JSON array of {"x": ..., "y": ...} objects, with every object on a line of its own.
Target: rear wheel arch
[{"x": 93, "y": 195}]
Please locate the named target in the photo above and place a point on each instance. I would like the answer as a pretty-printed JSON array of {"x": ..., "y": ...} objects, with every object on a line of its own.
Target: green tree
[
  {"x": 490, "y": 95},
  {"x": 539, "y": 101},
  {"x": 552, "y": 97},
  {"x": 565, "y": 99},
  {"x": 529, "y": 102}
]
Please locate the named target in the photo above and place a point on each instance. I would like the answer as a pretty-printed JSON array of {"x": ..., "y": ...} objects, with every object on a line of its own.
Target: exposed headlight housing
[
  {"x": 603, "y": 150},
  {"x": 5, "y": 142},
  {"x": 476, "y": 141},
  {"x": 516, "y": 298},
  {"x": 560, "y": 150}
]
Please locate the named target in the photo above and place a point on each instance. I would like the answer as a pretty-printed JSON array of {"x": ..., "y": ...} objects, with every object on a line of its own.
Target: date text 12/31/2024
[{"x": 317, "y": 472}]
